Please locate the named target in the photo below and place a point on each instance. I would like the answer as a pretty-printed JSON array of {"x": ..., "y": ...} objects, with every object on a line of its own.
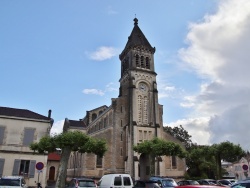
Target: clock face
[{"x": 143, "y": 87}]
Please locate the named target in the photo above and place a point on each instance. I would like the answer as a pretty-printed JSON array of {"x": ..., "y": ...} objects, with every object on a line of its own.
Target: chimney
[{"x": 49, "y": 114}]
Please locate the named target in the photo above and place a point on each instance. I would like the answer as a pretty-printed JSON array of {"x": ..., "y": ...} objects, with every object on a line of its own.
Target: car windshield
[
  {"x": 10, "y": 182},
  {"x": 168, "y": 183},
  {"x": 213, "y": 182},
  {"x": 86, "y": 183},
  {"x": 194, "y": 183}
]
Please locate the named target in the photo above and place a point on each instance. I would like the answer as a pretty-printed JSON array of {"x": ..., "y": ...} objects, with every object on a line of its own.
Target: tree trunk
[
  {"x": 62, "y": 172},
  {"x": 152, "y": 165},
  {"x": 218, "y": 161}
]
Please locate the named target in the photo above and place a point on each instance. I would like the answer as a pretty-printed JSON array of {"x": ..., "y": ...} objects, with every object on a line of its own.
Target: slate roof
[
  {"x": 54, "y": 157},
  {"x": 137, "y": 39},
  {"x": 21, "y": 113},
  {"x": 75, "y": 123}
]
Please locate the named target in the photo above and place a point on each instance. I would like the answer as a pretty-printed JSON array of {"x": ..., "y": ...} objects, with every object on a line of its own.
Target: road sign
[{"x": 39, "y": 166}]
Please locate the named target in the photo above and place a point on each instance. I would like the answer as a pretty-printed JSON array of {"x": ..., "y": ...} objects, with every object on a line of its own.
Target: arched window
[
  {"x": 94, "y": 116},
  {"x": 147, "y": 63},
  {"x": 137, "y": 61},
  {"x": 142, "y": 109},
  {"x": 142, "y": 62}
]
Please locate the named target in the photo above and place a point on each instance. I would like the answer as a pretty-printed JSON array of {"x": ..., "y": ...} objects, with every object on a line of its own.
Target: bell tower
[{"x": 138, "y": 95}]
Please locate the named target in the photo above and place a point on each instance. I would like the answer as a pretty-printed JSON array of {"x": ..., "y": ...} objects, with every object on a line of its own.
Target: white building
[
  {"x": 19, "y": 128},
  {"x": 241, "y": 169}
]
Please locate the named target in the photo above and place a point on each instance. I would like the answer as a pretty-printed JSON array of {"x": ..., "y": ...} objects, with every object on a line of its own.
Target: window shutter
[
  {"x": 32, "y": 169},
  {"x": 28, "y": 136},
  {"x": 1, "y": 166},
  {"x": 16, "y": 167},
  {"x": 1, "y": 134}
]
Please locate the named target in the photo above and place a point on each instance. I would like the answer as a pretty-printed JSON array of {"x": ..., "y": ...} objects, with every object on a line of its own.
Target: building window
[
  {"x": 121, "y": 152},
  {"x": 140, "y": 136},
  {"x": 143, "y": 109},
  {"x": 24, "y": 168},
  {"x": 28, "y": 137},
  {"x": 147, "y": 63},
  {"x": 142, "y": 62},
  {"x": 121, "y": 122},
  {"x": 137, "y": 61},
  {"x": 145, "y": 135},
  {"x": 174, "y": 162},
  {"x": 98, "y": 161},
  {"x": 94, "y": 116},
  {"x": 121, "y": 137},
  {"x": 105, "y": 122},
  {"x": 2, "y": 129}
]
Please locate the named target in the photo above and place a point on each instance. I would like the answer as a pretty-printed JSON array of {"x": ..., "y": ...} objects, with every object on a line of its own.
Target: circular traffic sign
[
  {"x": 245, "y": 167},
  {"x": 39, "y": 166}
]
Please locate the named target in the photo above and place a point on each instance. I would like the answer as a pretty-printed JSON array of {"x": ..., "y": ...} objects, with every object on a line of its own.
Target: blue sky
[{"x": 64, "y": 56}]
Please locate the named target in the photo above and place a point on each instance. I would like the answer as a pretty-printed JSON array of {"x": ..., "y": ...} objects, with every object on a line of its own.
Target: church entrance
[{"x": 144, "y": 167}]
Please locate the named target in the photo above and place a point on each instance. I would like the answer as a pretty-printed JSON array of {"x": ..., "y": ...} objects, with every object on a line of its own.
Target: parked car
[
  {"x": 200, "y": 186},
  {"x": 241, "y": 184},
  {"x": 164, "y": 182},
  {"x": 146, "y": 184},
  {"x": 207, "y": 182},
  {"x": 233, "y": 181},
  {"x": 81, "y": 183},
  {"x": 115, "y": 181},
  {"x": 187, "y": 182},
  {"x": 12, "y": 182},
  {"x": 224, "y": 182}
]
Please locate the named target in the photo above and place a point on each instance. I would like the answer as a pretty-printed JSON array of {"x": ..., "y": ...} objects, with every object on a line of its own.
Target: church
[{"x": 133, "y": 117}]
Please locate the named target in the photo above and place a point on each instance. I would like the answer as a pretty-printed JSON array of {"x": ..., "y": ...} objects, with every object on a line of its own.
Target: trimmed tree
[
  {"x": 158, "y": 147},
  {"x": 69, "y": 141},
  {"x": 226, "y": 151}
]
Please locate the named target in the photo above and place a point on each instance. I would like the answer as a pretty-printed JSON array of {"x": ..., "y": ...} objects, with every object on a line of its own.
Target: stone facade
[{"x": 133, "y": 117}]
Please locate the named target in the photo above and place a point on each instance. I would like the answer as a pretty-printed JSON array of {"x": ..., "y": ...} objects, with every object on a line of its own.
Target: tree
[
  {"x": 69, "y": 141},
  {"x": 226, "y": 151},
  {"x": 200, "y": 162},
  {"x": 159, "y": 147},
  {"x": 181, "y": 134}
]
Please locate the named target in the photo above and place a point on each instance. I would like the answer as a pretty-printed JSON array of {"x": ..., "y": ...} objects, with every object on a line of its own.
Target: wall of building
[{"x": 12, "y": 147}]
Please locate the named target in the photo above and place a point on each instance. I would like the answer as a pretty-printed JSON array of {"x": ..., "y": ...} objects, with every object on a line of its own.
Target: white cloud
[
  {"x": 93, "y": 91},
  {"x": 57, "y": 127},
  {"x": 218, "y": 50},
  {"x": 111, "y": 10},
  {"x": 110, "y": 87},
  {"x": 103, "y": 53},
  {"x": 196, "y": 127}
]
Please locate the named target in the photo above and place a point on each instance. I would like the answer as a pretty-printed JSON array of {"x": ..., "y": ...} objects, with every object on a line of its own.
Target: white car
[
  {"x": 12, "y": 182},
  {"x": 115, "y": 181}
]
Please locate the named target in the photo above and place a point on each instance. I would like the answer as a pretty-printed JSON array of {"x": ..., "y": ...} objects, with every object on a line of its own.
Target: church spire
[{"x": 137, "y": 40}]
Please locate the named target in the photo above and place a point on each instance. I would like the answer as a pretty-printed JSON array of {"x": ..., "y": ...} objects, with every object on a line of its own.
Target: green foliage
[
  {"x": 75, "y": 140},
  {"x": 228, "y": 151},
  {"x": 159, "y": 147},
  {"x": 200, "y": 162},
  {"x": 205, "y": 161},
  {"x": 46, "y": 144},
  {"x": 96, "y": 146},
  {"x": 181, "y": 134}
]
